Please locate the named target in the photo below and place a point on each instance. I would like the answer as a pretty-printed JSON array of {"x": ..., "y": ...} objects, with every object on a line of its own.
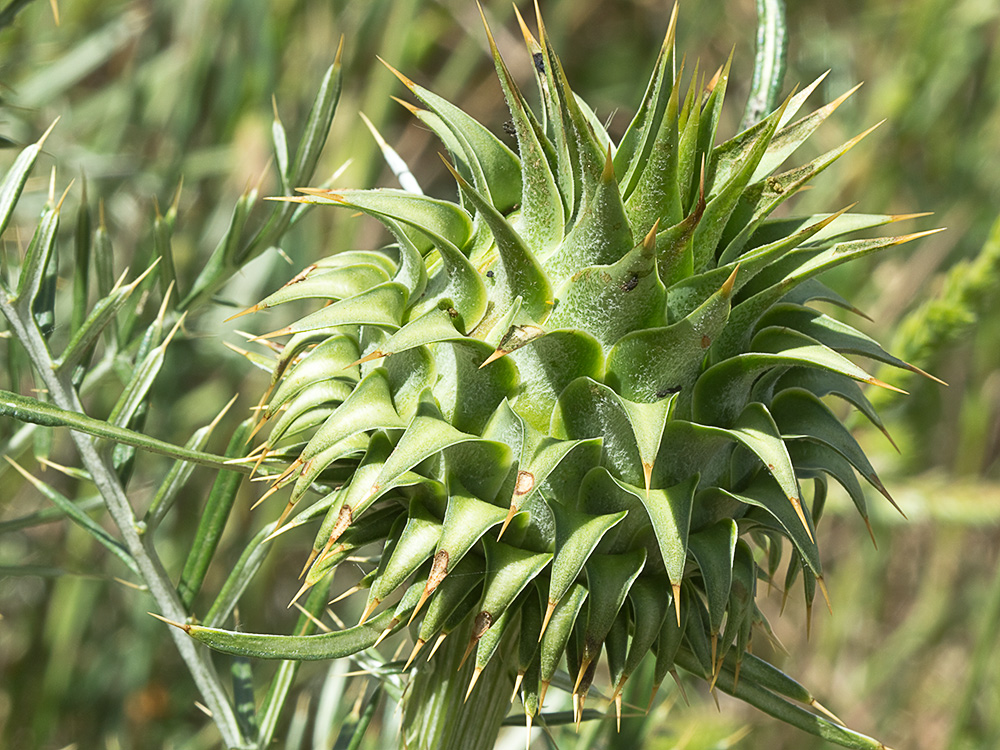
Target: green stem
[
  {"x": 154, "y": 575},
  {"x": 436, "y": 715},
  {"x": 769, "y": 61}
]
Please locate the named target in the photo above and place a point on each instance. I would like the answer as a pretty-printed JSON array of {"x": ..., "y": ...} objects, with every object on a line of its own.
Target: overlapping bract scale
[{"x": 593, "y": 384}]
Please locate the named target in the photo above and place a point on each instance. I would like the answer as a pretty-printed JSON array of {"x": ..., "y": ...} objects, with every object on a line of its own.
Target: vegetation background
[{"x": 152, "y": 93}]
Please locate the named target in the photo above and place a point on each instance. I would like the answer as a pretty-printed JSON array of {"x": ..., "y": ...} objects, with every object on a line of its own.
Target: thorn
[
  {"x": 377, "y": 354},
  {"x": 676, "y": 587},
  {"x": 680, "y": 685},
  {"x": 727, "y": 288},
  {"x": 649, "y": 241},
  {"x": 549, "y": 609},
  {"x": 881, "y": 384},
  {"x": 797, "y": 504},
  {"x": 618, "y": 713},
  {"x": 871, "y": 533},
  {"x": 652, "y": 696},
  {"x": 527, "y": 733},
  {"x": 352, "y": 590},
  {"x": 826, "y": 594},
  {"x": 40, "y": 142},
  {"x": 517, "y": 685},
  {"x": 423, "y": 598},
  {"x": 181, "y": 625},
  {"x": 609, "y": 168},
  {"x": 579, "y": 675},
  {"x": 413, "y": 654},
  {"x": 468, "y": 650},
  {"x": 270, "y": 491},
  {"x": 251, "y": 309},
  {"x": 893, "y": 218},
  {"x": 543, "y": 688},
  {"x": 506, "y": 521},
  {"x": 437, "y": 644},
  {"x": 383, "y": 635},
  {"x": 406, "y": 81},
  {"x": 369, "y": 608},
  {"x": 472, "y": 683},
  {"x": 492, "y": 358},
  {"x": 647, "y": 476},
  {"x": 309, "y": 562},
  {"x": 529, "y": 40},
  {"x": 305, "y": 587},
  {"x": 824, "y": 710}
]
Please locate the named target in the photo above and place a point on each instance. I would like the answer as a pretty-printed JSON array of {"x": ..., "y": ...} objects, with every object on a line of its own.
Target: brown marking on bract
[
  {"x": 706, "y": 341},
  {"x": 343, "y": 521},
  {"x": 484, "y": 620},
  {"x": 525, "y": 483}
]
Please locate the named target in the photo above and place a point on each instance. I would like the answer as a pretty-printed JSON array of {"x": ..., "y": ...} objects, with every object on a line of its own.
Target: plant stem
[
  {"x": 436, "y": 715},
  {"x": 154, "y": 576}
]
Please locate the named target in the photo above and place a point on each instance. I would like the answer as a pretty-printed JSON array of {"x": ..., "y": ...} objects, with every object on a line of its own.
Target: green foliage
[{"x": 148, "y": 95}]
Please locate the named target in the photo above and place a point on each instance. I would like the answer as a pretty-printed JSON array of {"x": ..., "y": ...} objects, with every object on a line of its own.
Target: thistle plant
[{"x": 582, "y": 407}]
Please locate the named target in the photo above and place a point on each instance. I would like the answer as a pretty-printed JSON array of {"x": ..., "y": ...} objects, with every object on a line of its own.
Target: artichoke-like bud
[{"x": 594, "y": 384}]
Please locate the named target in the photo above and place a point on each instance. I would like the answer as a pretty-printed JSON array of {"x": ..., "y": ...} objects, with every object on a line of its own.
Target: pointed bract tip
[
  {"x": 584, "y": 664},
  {"x": 423, "y": 599},
  {"x": 549, "y": 609},
  {"x": 649, "y": 241},
  {"x": 797, "y": 504},
  {"x": 608, "y": 175},
  {"x": 472, "y": 683},
  {"x": 727, "y": 287},
  {"x": 871, "y": 531},
  {"x": 517, "y": 686},
  {"x": 270, "y": 491},
  {"x": 529, "y": 39},
  {"x": 883, "y": 384},
  {"x": 413, "y": 108},
  {"x": 340, "y": 51},
  {"x": 180, "y": 625},
  {"x": 647, "y": 476},
  {"x": 298, "y": 594},
  {"x": 406, "y": 81},
  {"x": 543, "y": 688},
  {"x": 676, "y": 588},
  {"x": 437, "y": 645},
  {"x": 824, "y": 710},
  {"x": 540, "y": 24},
  {"x": 413, "y": 654},
  {"x": 349, "y": 592},
  {"x": 906, "y": 217},
  {"x": 454, "y": 172},
  {"x": 377, "y": 354},
  {"x": 382, "y": 636},
  {"x": 40, "y": 142},
  {"x": 489, "y": 33},
  {"x": 468, "y": 650},
  {"x": 826, "y": 594},
  {"x": 680, "y": 686},
  {"x": 497, "y": 354},
  {"x": 369, "y": 608},
  {"x": 309, "y": 562},
  {"x": 511, "y": 512},
  {"x": 618, "y": 713}
]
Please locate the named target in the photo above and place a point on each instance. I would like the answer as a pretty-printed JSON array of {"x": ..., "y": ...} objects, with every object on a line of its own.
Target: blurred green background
[{"x": 152, "y": 93}]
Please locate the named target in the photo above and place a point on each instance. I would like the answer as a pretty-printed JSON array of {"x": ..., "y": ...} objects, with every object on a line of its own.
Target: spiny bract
[{"x": 582, "y": 400}]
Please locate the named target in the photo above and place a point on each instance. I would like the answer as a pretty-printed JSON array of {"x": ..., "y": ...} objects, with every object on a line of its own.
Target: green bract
[{"x": 593, "y": 384}]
